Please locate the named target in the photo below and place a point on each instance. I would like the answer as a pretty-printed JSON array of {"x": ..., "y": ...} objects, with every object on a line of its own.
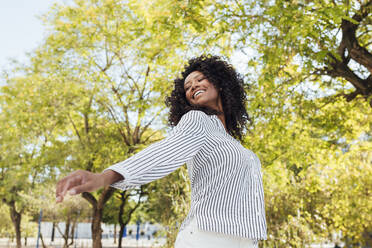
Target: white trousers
[{"x": 193, "y": 237}]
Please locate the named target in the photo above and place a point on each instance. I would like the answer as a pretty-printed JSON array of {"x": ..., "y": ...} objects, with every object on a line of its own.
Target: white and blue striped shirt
[{"x": 226, "y": 181}]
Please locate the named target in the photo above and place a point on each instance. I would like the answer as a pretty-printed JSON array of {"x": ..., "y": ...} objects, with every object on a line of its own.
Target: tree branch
[
  {"x": 356, "y": 52},
  {"x": 105, "y": 196},
  {"x": 90, "y": 198},
  {"x": 76, "y": 130},
  {"x": 340, "y": 69},
  {"x": 110, "y": 109}
]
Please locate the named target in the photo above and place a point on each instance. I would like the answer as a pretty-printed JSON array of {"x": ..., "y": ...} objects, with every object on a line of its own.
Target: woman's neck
[{"x": 222, "y": 118}]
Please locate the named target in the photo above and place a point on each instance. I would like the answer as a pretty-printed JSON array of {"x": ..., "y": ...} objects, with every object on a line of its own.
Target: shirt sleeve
[{"x": 163, "y": 157}]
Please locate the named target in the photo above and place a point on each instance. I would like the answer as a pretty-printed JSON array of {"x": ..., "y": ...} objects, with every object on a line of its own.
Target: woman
[{"x": 207, "y": 110}]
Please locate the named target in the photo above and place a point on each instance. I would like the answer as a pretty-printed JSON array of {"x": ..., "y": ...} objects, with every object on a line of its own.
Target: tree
[
  {"x": 28, "y": 227},
  {"x": 329, "y": 42},
  {"x": 122, "y": 206},
  {"x": 26, "y": 132},
  {"x": 315, "y": 159}
]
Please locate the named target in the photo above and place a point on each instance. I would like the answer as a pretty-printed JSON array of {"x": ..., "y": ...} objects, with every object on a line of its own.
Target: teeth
[{"x": 199, "y": 91}]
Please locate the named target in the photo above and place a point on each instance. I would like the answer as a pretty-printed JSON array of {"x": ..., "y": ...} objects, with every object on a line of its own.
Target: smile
[{"x": 198, "y": 93}]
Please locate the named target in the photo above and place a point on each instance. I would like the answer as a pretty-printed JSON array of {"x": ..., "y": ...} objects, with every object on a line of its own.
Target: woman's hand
[{"x": 84, "y": 181}]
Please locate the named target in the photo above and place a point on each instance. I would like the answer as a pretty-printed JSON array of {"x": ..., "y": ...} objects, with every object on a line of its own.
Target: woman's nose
[{"x": 193, "y": 86}]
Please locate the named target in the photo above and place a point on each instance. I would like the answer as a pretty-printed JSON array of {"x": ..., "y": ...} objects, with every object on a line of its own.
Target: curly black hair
[{"x": 221, "y": 75}]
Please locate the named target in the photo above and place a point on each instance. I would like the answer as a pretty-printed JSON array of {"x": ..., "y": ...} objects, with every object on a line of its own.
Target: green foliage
[
  {"x": 6, "y": 228},
  {"x": 317, "y": 166}
]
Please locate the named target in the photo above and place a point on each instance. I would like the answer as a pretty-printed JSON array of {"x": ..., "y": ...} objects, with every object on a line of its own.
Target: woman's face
[{"x": 199, "y": 91}]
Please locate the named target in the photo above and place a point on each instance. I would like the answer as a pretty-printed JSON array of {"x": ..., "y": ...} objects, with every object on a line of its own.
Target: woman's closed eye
[{"x": 201, "y": 79}]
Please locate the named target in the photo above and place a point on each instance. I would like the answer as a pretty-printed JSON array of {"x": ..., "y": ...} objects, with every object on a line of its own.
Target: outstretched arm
[{"x": 154, "y": 162}]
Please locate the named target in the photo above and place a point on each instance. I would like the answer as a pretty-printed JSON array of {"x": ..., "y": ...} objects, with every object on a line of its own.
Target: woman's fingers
[
  {"x": 67, "y": 183},
  {"x": 70, "y": 183},
  {"x": 60, "y": 186},
  {"x": 86, "y": 187}
]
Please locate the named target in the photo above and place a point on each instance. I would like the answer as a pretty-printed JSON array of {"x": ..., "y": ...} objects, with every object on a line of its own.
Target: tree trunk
[
  {"x": 124, "y": 199},
  {"x": 115, "y": 233},
  {"x": 53, "y": 231},
  {"x": 96, "y": 228},
  {"x": 121, "y": 235},
  {"x": 42, "y": 241},
  {"x": 67, "y": 231},
  {"x": 16, "y": 219},
  {"x": 72, "y": 234},
  {"x": 97, "y": 213},
  {"x": 65, "y": 235}
]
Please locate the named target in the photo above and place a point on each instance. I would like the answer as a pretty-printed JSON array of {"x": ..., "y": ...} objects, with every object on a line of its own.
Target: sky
[{"x": 20, "y": 28}]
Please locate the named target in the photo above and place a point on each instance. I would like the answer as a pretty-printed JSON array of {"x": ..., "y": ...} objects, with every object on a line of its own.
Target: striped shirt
[{"x": 226, "y": 181}]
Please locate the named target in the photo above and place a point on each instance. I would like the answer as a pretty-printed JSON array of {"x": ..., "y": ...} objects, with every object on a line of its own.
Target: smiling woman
[{"x": 207, "y": 107}]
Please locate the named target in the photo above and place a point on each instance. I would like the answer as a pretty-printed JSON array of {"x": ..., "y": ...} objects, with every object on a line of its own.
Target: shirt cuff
[{"x": 122, "y": 184}]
